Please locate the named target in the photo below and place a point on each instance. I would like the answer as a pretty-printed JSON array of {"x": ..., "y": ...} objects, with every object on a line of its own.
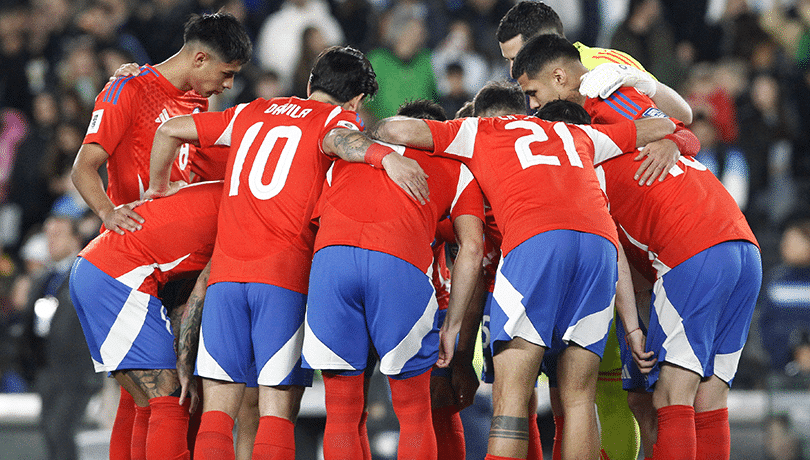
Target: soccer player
[
  {"x": 129, "y": 110},
  {"x": 370, "y": 286},
  {"x": 125, "y": 117},
  {"x": 114, "y": 285},
  {"x": 529, "y": 18},
  {"x": 539, "y": 180},
  {"x": 252, "y": 323},
  {"x": 691, "y": 233}
]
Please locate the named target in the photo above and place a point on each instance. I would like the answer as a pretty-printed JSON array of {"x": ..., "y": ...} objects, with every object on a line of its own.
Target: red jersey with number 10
[
  {"x": 537, "y": 175},
  {"x": 275, "y": 173},
  {"x": 127, "y": 113}
]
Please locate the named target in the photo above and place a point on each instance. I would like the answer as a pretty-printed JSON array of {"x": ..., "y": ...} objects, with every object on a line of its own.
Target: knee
[{"x": 641, "y": 405}]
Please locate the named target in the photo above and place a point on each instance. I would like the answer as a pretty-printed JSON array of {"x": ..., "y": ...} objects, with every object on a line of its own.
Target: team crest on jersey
[
  {"x": 95, "y": 121},
  {"x": 654, "y": 113},
  {"x": 348, "y": 125}
]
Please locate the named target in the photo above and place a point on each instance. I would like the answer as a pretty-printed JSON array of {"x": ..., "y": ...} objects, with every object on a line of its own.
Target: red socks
[
  {"x": 495, "y": 457},
  {"x": 121, "y": 436},
  {"x": 449, "y": 433},
  {"x": 215, "y": 437},
  {"x": 535, "y": 447},
  {"x": 344, "y": 417},
  {"x": 168, "y": 426},
  {"x": 713, "y": 435},
  {"x": 411, "y": 401},
  {"x": 676, "y": 433},
  {"x": 364, "y": 437},
  {"x": 140, "y": 430},
  {"x": 556, "y": 453},
  {"x": 275, "y": 439}
]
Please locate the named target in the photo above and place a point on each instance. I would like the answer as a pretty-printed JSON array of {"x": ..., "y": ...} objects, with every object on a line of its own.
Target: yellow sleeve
[{"x": 592, "y": 57}]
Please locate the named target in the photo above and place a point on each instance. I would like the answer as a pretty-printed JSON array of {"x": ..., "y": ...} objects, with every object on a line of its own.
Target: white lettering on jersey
[
  {"x": 95, "y": 121},
  {"x": 291, "y": 110}
]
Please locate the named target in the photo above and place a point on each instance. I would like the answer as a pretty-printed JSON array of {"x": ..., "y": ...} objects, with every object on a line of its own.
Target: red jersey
[
  {"x": 126, "y": 115},
  {"x": 275, "y": 173},
  {"x": 177, "y": 239},
  {"x": 671, "y": 220},
  {"x": 492, "y": 248},
  {"x": 537, "y": 175},
  {"x": 365, "y": 209}
]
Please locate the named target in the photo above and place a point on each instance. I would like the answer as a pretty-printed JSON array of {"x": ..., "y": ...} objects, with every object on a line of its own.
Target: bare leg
[
  {"x": 248, "y": 423},
  {"x": 641, "y": 405},
  {"x": 517, "y": 364},
  {"x": 577, "y": 371}
]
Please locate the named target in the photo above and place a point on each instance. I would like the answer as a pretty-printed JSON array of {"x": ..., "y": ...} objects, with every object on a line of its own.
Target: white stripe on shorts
[
  {"x": 592, "y": 328},
  {"x": 317, "y": 354},
  {"x": 207, "y": 366},
  {"x": 511, "y": 302},
  {"x": 282, "y": 363},
  {"x": 124, "y": 330},
  {"x": 679, "y": 350},
  {"x": 393, "y": 361},
  {"x": 725, "y": 366}
]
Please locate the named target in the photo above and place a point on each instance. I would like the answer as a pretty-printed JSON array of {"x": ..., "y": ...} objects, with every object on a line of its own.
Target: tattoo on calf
[{"x": 505, "y": 427}]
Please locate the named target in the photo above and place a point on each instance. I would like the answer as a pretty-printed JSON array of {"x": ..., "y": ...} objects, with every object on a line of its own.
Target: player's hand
[
  {"x": 188, "y": 384},
  {"x": 407, "y": 173},
  {"x": 123, "y": 218},
  {"x": 153, "y": 193},
  {"x": 465, "y": 382},
  {"x": 606, "y": 78},
  {"x": 659, "y": 157},
  {"x": 636, "y": 341},
  {"x": 447, "y": 345},
  {"x": 126, "y": 70}
]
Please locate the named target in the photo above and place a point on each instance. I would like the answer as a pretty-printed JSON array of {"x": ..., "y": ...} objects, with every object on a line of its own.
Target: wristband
[
  {"x": 375, "y": 153},
  {"x": 627, "y": 334}
]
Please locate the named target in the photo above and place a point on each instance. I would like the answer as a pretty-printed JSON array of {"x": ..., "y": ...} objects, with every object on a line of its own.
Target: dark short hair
[
  {"x": 567, "y": 111},
  {"x": 541, "y": 50},
  {"x": 499, "y": 96},
  {"x": 528, "y": 18},
  {"x": 424, "y": 109},
  {"x": 343, "y": 72},
  {"x": 466, "y": 110},
  {"x": 223, "y": 33}
]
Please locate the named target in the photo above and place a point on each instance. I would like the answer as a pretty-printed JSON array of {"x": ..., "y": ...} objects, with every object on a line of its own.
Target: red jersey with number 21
[
  {"x": 275, "y": 173},
  {"x": 537, "y": 175}
]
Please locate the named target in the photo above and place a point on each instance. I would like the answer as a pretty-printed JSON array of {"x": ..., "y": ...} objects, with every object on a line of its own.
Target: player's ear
[
  {"x": 354, "y": 103},
  {"x": 559, "y": 76},
  {"x": 200, "y": 58}
]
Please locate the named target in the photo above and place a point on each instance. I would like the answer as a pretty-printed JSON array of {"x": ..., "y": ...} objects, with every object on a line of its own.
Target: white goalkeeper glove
[{"x": 606, "y": 78}]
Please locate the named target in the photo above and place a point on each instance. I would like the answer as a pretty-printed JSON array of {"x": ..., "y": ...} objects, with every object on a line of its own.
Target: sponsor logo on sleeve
[
  {"x": 653, "y": 112},
  {"x": 348, "y": 125},
  {"x": 95, "y": 121}
]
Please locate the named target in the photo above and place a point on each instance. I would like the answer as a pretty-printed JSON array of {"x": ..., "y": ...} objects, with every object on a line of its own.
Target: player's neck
[
  {"x": 175, "y": 72},
  {"x": 320, "y": 96}
]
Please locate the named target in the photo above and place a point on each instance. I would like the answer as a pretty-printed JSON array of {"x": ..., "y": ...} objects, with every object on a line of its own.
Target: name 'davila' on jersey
[{"x": 291, "y": 110}]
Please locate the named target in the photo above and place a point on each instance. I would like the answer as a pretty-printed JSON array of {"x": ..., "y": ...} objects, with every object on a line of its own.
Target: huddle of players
[{"x": 370, "y": 285}]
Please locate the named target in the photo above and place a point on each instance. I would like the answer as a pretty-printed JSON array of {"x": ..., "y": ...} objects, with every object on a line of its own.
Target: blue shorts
[
  {"x": 488, "y": 368},
  {"x": 556, "y": 288},
  {"x": 702, "y": 310},
  {"x": 252, "y": 332},
  {"x": 124, "y": 328},
  {"x": 359, "y": 298}
]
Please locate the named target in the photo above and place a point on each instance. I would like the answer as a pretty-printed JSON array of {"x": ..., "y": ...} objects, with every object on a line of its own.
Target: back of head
[
  {"x": 221, "y": 32},
  {"x": 529, "y": 18},
  {"x": 540, "y": 51},
  {"x": 566, "y": 111},
  {"x": 499, "y": 98},
  {"x": 423, "y": 109},
  {"x": 466, "y": 110},
  {"x": 342, "y": 72}
]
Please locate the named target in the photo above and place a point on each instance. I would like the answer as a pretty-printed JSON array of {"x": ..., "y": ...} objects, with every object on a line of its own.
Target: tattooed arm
[
  {"x": 353, "y": 146},
  {"x": 404, "y": 131},
  {"x": 189, "y": 339}
]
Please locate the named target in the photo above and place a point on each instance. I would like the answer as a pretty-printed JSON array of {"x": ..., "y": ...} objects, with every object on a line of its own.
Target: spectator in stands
[
  {"x": 726, "y": 162},
  {"x": 786, "y": 295}
]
